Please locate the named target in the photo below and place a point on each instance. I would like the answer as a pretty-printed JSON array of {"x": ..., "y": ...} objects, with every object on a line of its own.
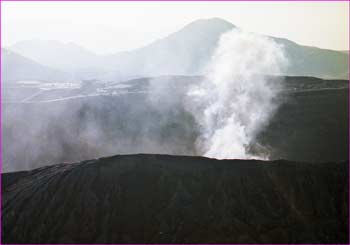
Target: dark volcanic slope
[{"x": 175, "y": 199}]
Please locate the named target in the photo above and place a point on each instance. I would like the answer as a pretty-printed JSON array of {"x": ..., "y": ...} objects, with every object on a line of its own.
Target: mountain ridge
[
  {"x": 16, "y": 67},
  {"x": 183, "y": 52}
]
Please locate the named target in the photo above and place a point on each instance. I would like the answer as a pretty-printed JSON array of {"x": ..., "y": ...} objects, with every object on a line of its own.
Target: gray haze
[
  {"x": 65, "y": 103},
  {"x": 110, "y": 27},
  {"x": 185, "y": 52}
]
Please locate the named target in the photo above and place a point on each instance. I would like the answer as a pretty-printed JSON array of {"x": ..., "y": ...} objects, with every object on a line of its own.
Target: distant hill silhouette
[
  {"x": 16, "y": 67},
  {"x": 185, "y": 52}
]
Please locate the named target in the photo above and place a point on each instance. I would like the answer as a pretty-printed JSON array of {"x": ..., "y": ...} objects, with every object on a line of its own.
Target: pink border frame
[
  {"x": 157, "y": 1},
  {"x": 174, "y": 0}
]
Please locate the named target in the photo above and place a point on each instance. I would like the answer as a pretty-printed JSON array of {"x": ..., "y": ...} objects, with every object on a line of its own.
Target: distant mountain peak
[
  {"x": 201, "y": 29},
  {"x": 57, "y": 54},
  {"x": 185, "y": 52},
  {"x": 209, "y": 24},
  {"x": 213, "y": 21}
]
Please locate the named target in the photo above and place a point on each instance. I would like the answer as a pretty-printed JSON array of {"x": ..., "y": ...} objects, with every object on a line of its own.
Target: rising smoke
[
  {"x": 216, "y": 116},
  {"x": 238, "y": 98}
]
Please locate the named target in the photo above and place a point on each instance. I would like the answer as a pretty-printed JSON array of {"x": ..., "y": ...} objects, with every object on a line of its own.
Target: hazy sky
[{"x": 105, "y": 27}]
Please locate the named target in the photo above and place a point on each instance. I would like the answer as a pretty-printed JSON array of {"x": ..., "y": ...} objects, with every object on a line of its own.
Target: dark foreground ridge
[{"x": 177, "y": 199}]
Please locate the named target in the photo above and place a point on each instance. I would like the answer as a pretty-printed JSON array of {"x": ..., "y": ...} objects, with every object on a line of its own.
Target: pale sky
[{"x": 107, "y": 27}]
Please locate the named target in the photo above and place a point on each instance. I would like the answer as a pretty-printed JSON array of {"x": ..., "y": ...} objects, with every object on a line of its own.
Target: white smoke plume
[{"x": 238, "y": 99}]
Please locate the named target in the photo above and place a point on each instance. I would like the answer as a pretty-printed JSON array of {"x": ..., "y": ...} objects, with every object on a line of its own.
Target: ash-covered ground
[{"x": 177, "y": 199}]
